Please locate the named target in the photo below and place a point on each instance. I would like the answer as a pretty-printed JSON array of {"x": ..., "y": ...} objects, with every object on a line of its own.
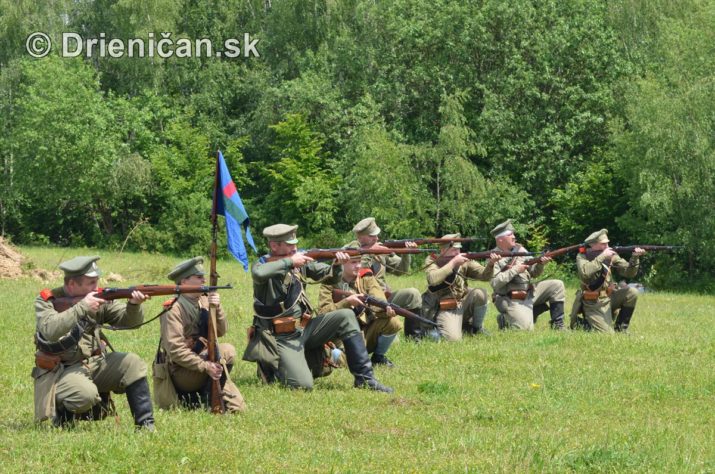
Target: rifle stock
[
  {"x": 109, "y": 294},
  {"x": 442, "y": 260},
  {"x": 554, "y": 253},
  {"x": 339, "y": 295},
  {"x": 329, "y": 254},
  {"x": 395, "y": 244}
]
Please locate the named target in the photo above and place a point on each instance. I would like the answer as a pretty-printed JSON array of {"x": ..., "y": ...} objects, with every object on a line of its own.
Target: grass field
[{"x": 541, "y": 401}]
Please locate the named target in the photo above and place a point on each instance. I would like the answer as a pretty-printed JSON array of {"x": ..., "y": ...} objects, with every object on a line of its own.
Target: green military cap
[
  {"x": 457, "y": 245},
  {"x": 187, "y": 268},
  {"x": 598, "y": 237},
  {"x": 367, "y": 226},
  {"x": 79, "y": 266},
  {"x": 281, "y": 233},
  {"x": 503, "y": 229}
]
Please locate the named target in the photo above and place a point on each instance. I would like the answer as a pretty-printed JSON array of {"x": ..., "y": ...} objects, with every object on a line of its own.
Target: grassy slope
[{"x": 513, "y": 401}]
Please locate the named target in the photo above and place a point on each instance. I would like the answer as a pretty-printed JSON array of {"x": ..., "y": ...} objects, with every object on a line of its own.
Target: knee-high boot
[{"x": 360, "y": 365}]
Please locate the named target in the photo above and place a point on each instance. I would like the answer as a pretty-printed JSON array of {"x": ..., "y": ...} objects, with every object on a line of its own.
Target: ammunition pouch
[
  {"x": 284, "y": 325},
  {"x": 447, "y": 304},
  {"x": 518, "y": 294},
  {"x": 594, "y": 295},
  {"x": 67, "y": 341},
  {"x": 47, "y": 361}
]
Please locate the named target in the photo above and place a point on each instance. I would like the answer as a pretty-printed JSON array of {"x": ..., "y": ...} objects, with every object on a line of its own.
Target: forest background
[{"x": 433, "y": 117}]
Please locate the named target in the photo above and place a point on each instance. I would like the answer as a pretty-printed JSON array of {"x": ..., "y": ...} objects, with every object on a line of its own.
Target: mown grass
[{"x": 540, "y": 401}]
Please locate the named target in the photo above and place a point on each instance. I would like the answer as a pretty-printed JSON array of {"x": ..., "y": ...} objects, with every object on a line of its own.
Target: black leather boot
[
  {"x": 538, "y": 309},
  {"x": 139, "y": 400},
  {"x": 360, "y": 365},
  {"x": 624, "y": 319},
  {"x": 413, "y": 330},
  {"x": 63, "y": 417},
  {"x": 557, "y": 315}
]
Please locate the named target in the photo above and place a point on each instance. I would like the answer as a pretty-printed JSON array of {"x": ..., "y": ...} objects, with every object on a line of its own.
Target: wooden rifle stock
[
  {"x": 329, "y": 254},
  {"x": 554, "y": 253},
  {"x": 442, "y": 260},
  {"x": 339, "y": 295},
  {"x": 395, "y": 244},
  {"x": 110, "y": 294},
  {"x": 591, "y": 254}
]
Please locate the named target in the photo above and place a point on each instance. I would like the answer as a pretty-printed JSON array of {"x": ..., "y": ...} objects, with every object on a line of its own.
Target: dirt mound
[{"x": 10, "y": 261}]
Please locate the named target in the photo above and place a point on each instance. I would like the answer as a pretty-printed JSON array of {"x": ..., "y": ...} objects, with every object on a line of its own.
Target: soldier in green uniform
[
  {"x": 449, "y": 301},
  {"x": 598, "y": 299},
  {"x": 367, "y": 234},
  {"x": 74, "y": 372},
  {"x": 380, "y": 327},
  {"x": 184, "y": 332},
  {"x": 285, "y": 332},
  {"x": 518, "y": 300}
]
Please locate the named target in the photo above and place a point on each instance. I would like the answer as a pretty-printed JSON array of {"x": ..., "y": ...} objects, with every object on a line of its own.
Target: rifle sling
[{"x": 445, "y": 284}]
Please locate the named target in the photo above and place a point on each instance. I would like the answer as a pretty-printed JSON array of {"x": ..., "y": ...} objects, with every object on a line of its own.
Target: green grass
[{"x": 540, "y": 401}]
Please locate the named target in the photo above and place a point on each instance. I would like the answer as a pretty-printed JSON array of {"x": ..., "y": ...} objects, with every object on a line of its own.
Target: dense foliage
[{"x": 433, "y": 117}]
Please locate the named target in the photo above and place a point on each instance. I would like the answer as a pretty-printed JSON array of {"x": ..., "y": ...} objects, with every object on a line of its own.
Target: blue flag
[{"x": 230, "y": 206}]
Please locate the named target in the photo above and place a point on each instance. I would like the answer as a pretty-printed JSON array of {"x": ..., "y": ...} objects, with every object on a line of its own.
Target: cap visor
[
  {"x": 376, "y": 231},
  {"x": 292, "y": 241}
]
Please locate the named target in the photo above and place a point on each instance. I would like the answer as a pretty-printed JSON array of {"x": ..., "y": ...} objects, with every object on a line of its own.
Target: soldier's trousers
[
  {"x": 293, "y": 369},
  {"x": 519, "y": 314},
  {"x": 79, "y": 386},
  {"x": 186, "y": 380},
  {"x": 453, "y": 322},
  {"x": 599, "y": 314},
  {"x": 408, "y": 298},
  {"x": 381, "y": 327}
]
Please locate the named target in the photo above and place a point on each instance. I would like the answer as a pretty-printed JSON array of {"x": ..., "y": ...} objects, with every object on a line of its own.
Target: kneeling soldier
[
  {"x": 518, "y": 300},
  {"x": 367, "y": 235},
  {"x": 74, "y": 373},
  {"x": 598, "y": 298},
  {"x": 184, "y": 333},
  {"x": 452, "y": 304},
  {"x": 284, "y": 332},
  {"x": 380, "y": 327}
]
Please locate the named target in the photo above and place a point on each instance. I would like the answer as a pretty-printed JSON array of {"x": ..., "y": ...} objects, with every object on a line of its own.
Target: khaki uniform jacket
[
  {"x": 395, "y": 264},
  {"x": 364, "y": 285},
  {"x": 180, "y": 330},
  {"x": 459, "y": 287},
  {"x": 507, "y": 278},
  {"x": 53, "y": 325},
  {"x": 590, "y": 271}
]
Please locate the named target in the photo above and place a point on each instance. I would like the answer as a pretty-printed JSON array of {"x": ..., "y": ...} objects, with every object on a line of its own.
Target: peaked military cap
[
  {"x": 457, "y": 245},
  {"x": 79, "y": 266},
  {"x": 598, "y": 237},
  {"x": 187, "y": 268},
  {"x": 502, "y": 229},
  {"x": 367, "y": 226},
  {"x": 281, "y": 233}
]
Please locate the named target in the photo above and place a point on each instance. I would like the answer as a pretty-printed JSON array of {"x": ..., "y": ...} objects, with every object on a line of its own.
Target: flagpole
[{"x": 214, "y": 355}]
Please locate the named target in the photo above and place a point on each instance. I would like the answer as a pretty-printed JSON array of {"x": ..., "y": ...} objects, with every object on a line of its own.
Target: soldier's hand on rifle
[
  {"x": 214, "y": 370},
  {"x": 638, "y": 252},
  {"x": 544, "y": 259},
  {"x": 609, "y": 252},
  {"x": 354, "y": 301},
  {"x": 521, "y": 268},
  {"x": 300, "y": 259},
  {"x": 214, "y": 299},
  {"x": 411, "y": 245},
  {"x": 342, "y": 257},
  {"x": 458, "y": 260},
  {"x": 92, "y": 302},
  {"x": 494, "y": 258},
  {"x": 390, "y": 312},
  {"x": 138, "y": 297}
]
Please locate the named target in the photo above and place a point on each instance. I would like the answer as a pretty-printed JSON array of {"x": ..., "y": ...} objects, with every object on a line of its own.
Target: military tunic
[
  {"x": 86, "y": 369},
  {"x": 446, "y": 283},
  {"x": 599, "y": 313},
  {"x": 180, "y": 328},
  {"x": 408, "y": 298},
  {"x": 375, "y": 321},
  {"x": 284, "y": 355},
  {"x": 519, "y": 314}
]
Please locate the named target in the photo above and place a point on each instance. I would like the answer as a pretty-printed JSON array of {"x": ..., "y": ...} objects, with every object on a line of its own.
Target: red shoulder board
[
  {"x": 363, "y": 272},
  {"x": 46, "y": 294},
  {"x": 169, "y": 302}
]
